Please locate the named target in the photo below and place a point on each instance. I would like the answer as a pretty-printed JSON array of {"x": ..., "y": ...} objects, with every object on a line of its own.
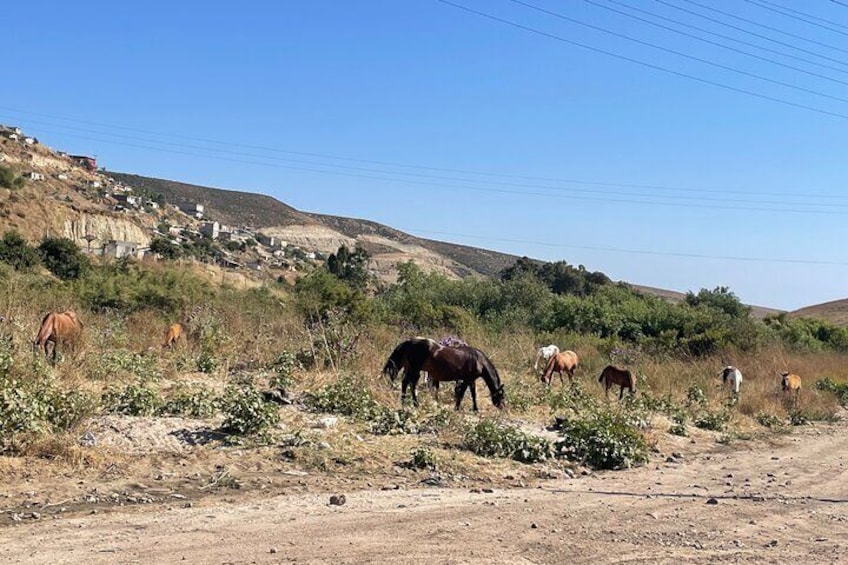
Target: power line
[
  {"x": 840, "y": 3},
  {"x": 787, "y": 12},
  {"x": 735, "y": 50},
  {"x": 547, "y": 195},
  {"x": 730, "y": 38},
  {"x": 749, "y": 32},
  {"x": 746, "y": 20},
  {"x": 637, "y": 251},
  {"x": 644, "y": 63},
  {"x": 678, "y": 53},
  {"x": 227, "y": 150}
]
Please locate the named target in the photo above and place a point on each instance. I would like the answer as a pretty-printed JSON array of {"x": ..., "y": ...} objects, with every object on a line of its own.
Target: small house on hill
[{"x": 86, "y": 162}]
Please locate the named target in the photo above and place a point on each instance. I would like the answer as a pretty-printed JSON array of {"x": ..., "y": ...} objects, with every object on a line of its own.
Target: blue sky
[{"x": 458, "y": 127}]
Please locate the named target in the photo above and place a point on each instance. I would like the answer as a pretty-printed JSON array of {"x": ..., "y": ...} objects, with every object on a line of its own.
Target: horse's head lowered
[
  {"x": 391, "y": 369},
  {"x": 498, "y": 397}
]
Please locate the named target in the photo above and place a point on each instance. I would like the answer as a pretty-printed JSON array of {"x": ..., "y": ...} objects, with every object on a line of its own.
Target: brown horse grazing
[
  {"x": 172, "y": 335},
  {"x": 56, "y": 327},
  {"x": 462, "y": 364},
  {"x": 564, "y": 361},
  {"x": 622, "y": 377}
]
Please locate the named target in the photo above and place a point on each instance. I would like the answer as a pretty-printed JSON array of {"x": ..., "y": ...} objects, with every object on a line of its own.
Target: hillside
[
  {"x": 324, "y": 233},
  {"x": 835, "y": 312}
]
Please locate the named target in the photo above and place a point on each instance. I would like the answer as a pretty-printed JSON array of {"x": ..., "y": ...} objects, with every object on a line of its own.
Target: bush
[
  {"x": 804, "y": 416},
  {"x": 136, "y": 399},
  {"x": 124, "y": 361},
  {"x": 487, "y": 438},
  {"x": 715, "y": 421},
  {"x": 8, "y": 179},
  {"x": 605, "y": 440},
  {"x": 15, "y": 251},
  {"x": 423, "y": 458},
  {"x": 840, "y": 390},
  {"x": 284, "y": 367},
  {"x": 768, "y": 420},
  {"x": 347, "y": 397},
  {"x": 192, "y": 401},
  {"x": 247, "y": 412},
  {"x": 395, "y": 422},
  {"x": 206, "y": 362},
  {"x": 63, "y": 258},
  {"x": 679, "y": 420}
]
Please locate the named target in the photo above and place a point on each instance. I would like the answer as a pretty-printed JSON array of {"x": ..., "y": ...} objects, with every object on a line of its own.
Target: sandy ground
[{"x": 751, "y": 502}]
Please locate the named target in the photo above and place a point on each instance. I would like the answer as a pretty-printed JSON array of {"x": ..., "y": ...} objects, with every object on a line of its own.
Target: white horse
[
  {"x": 545, "y": 353},
  {"x": 732, "y": 375}
]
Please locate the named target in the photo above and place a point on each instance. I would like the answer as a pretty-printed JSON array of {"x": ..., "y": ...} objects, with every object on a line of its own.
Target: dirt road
[{"x": 778, "y": 503}]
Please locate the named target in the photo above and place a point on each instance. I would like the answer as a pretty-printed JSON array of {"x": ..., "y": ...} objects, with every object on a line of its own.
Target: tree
[
  {"x": 63, "y": 258},
  {"x": 165, "y": 249},
  {"x": 350, "y": 266},
  {"x": 15, "y": 251},
  {"x": 720, "y": 298}
]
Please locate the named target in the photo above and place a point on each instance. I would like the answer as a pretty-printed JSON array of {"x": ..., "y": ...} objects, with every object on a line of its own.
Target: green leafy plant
[
  {"x": 247, "y": 412},
  {"x": 192, "y": 401},
  {"x": 135, "y": 399},
  {"x": 488, "y": 438},
  {"x": 712, "y": 420},
  {"x": 423, "y": 458},
  {"x": 603, "y": 440},
  {"x": 347, "y": 397}
]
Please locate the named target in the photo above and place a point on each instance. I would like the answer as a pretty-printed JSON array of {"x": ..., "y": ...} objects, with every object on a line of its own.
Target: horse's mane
[{"x": 490, "y": 374}]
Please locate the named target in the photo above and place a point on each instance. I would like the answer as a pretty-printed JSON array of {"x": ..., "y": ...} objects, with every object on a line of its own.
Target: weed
[
  {"x": 347, "y": 397},
  {"x": 715, "y": 421},
  {"x": 488, "y": 438},
  {"x": 604, "y": 440},
  {"x": 247, "y": 412},
  {"x": 192, "y": 401},
  {"x": 423, "y": 458},
  {"x": 135, "y": 399},
  {"x": 679, "y": 420},
  {"x": 768, "y": 420}
]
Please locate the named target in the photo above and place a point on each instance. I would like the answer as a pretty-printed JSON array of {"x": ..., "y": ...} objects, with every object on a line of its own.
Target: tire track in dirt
[{"x": 654, "y": 514}]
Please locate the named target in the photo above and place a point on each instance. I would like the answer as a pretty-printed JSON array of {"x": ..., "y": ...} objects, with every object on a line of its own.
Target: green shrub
[
  {"x": 395, "y": 422},
  {"x": 715, "y": 421},
  {"x": 695, "y": 396},
  {"x": 63, "y": 258},
  {"x": 206, "y": 362},
  {"x": 347, "y": 397},
  {"x": 15, "y": 251},
  {"x": 679, "y": 420},
  {"x": 247, "y": 412},
  {"x": 68, "y": 408},
  {"x": 284, "y": 367},
  {"x": 423, "y": 458},
  {"x": 192, "y": 401},
  {"x": 135, "y": 399},
  {"x": 488, "y": 438},
  {"x": 768, "y": 420},
  {"x": 604, "y": 440},
  {"x": 804, "y": 416},
  {"x": 840, "y": 390},
  {"x": 123, "y": 361},
  {"x": 8, "y": 179}
]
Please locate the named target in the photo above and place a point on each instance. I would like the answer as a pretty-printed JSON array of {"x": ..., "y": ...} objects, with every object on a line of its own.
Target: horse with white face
[
  {"x": 545, "y": 353},
  {"x": 733, "y": 376}
]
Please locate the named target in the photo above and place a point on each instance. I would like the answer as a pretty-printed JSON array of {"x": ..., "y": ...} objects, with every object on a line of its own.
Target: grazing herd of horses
[{"x": 451, "y": 360}]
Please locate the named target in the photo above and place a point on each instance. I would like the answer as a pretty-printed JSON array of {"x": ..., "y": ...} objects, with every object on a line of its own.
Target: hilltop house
[
  {"x": 117, "y": 249},
  {"x": 86, "y": 162},
  {"x": 195, "y": 210},
  {"x": 210, "y": 229}
]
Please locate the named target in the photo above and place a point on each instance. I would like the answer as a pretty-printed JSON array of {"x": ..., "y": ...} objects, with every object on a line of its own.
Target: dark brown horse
[
  {"x": 57, "y": 327},
  {"x": 461, "y": 364},
  {"x": 612, "y": 375}
]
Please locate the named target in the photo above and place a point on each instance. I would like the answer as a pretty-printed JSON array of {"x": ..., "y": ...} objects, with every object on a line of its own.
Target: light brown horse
[
  {"x": 55, "y": 327},
  {"x": 612, "y": 375},
  {"x": 791, "y": 385},
  {"x": 564, "y": 361},
  {"x": 172, "y": 335}
]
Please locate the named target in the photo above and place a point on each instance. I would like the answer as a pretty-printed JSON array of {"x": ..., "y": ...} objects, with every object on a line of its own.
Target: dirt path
[{"x": 773, "y": 504}]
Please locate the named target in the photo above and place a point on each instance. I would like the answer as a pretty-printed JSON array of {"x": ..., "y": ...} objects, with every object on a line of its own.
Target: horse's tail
[
  {"x": 603, "y": 374},
  {"x": 45, "y": 331},
  {"x": 549, "y": 368}
]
